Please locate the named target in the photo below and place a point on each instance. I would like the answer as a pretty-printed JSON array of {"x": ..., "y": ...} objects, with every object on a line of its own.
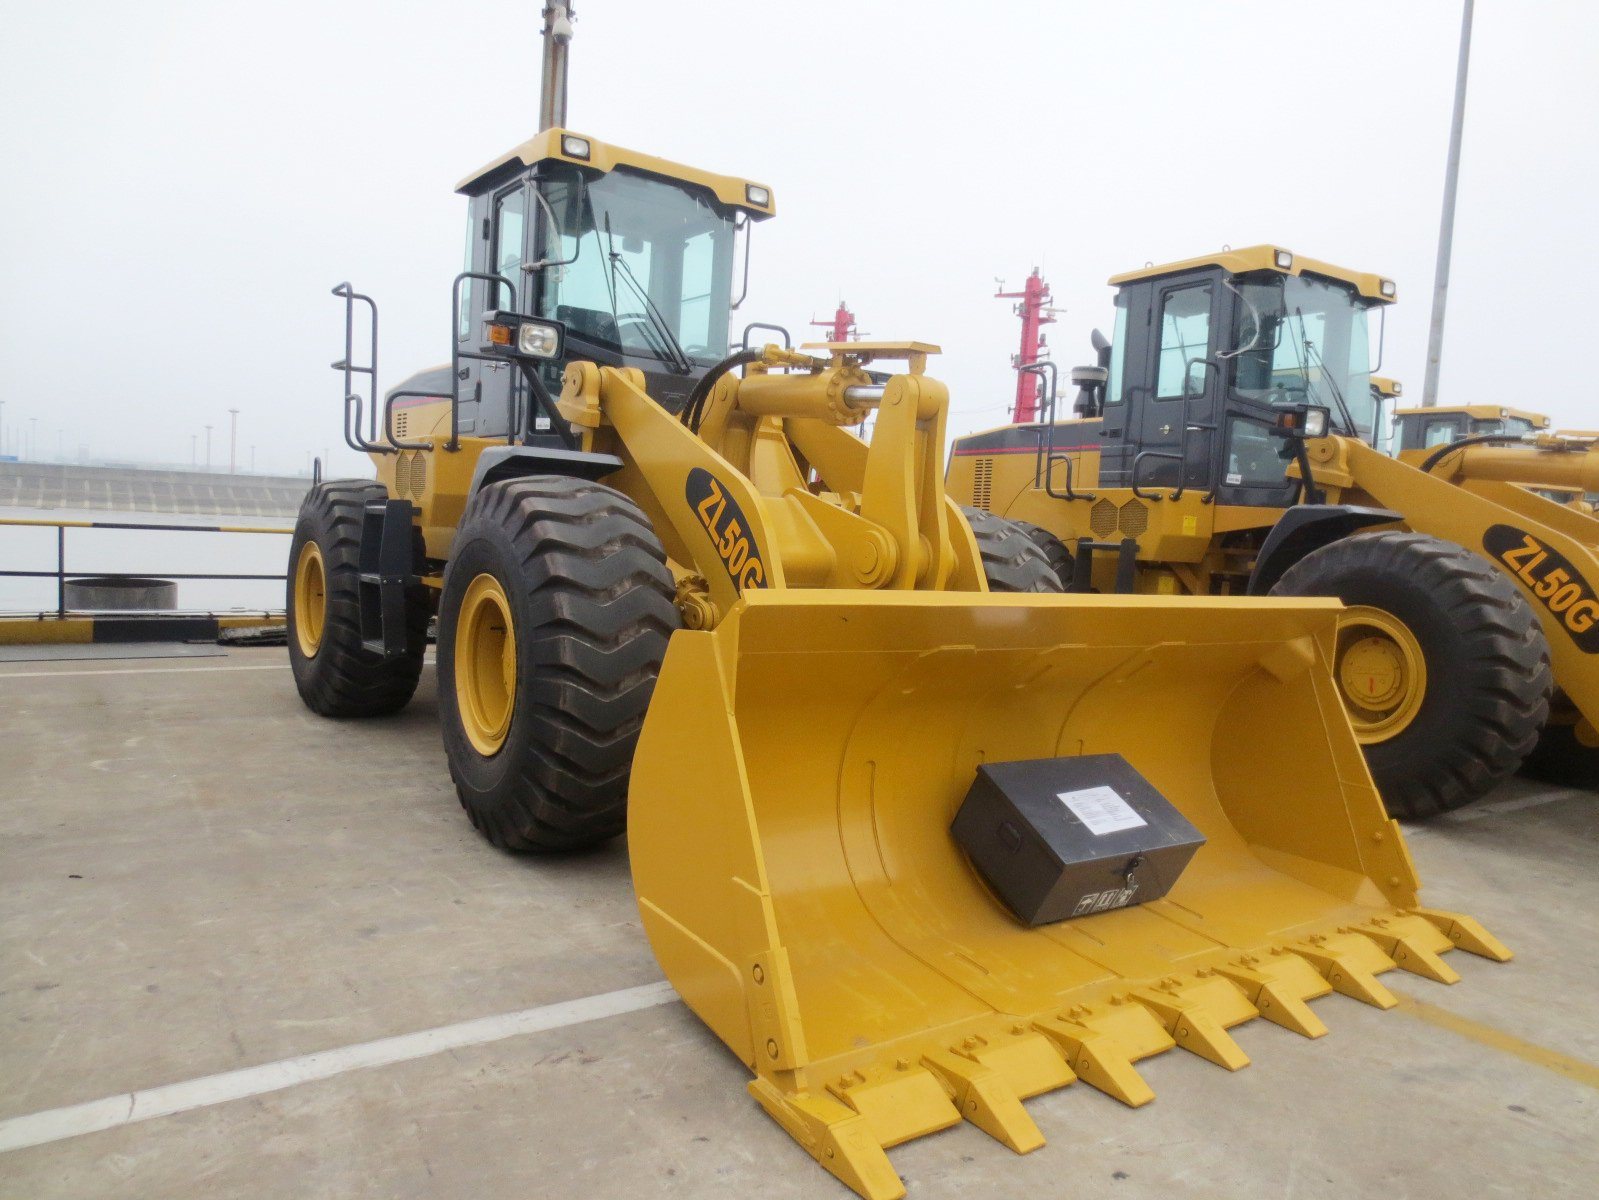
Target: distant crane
[
  {"x": 1035, "y": 312},
  {"x": 842, "y": 327}
]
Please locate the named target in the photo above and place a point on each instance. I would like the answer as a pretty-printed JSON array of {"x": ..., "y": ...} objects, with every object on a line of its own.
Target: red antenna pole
[
  {"x": 842, "y": 327},
  {"x": 1035, "y": 313}
]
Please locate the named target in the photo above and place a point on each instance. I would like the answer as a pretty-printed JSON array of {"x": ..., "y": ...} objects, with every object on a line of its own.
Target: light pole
[
  {"x": 233, "y": 441},
  {"x": 194, "y": 453},
  {"x": 1446, "y": 223},
  {"x": 252, "y": 458},
  {"x": 33, "y": 437},
  {"x": 208, "y": 447}
]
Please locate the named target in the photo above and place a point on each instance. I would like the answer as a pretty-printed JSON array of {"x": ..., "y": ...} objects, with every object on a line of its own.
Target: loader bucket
[{"x": 789, "y": 829}]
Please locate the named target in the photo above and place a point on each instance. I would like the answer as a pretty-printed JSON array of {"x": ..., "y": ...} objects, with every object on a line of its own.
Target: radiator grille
[
  {"x": 419, "y": 474},
  {"x": 983, "y": 482},
  {"x": 402, "y": 421},
  {"x": 1134, "y": 519},
  {"x": 1102, "y": 518}
]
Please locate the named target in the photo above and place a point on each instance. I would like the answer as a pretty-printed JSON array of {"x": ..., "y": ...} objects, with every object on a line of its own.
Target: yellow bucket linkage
[{"x": 792, "y": 797}]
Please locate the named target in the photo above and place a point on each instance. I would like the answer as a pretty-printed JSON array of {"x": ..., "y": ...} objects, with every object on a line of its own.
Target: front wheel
[
  {"x": 553, "y": 623},
  {"x": 1012, "y": 560},
  {"x": 1442, "y": 666}
]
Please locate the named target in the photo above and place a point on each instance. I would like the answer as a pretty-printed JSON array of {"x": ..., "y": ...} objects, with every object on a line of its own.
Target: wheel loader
[
  {"x": 1224, "y": 443},
  {"x": 914, "y": 832}
]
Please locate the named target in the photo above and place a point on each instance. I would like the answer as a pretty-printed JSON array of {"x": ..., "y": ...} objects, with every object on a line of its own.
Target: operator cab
[
  {"x": 1208, "y": 352},
  {"x": 634, "y": 255},
  {"x": 1424, "y": 429}
]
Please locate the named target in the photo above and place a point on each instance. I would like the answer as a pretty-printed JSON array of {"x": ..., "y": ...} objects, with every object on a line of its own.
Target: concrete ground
[{"x": 201, "y": 876}]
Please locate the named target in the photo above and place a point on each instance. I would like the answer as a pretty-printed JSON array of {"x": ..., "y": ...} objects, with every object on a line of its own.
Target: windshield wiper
[
  {"x": 678, "y": 357},
  {"x": 1332, "y": 385}
]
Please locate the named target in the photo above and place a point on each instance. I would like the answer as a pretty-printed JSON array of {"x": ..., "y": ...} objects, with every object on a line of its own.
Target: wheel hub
[
  {"x": 1381, "y": 672},
  {"x": 485, "y": 664},
  {"x": 310, "y": 599}
]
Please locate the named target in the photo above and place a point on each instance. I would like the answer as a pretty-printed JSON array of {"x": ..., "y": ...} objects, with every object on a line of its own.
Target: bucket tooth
[
  {"x": 836, "y": 1137},
  {"x": 1025, "y": 1059},
  {"x": 986, "y": 1100},
  {"x": 1103, "y": 1043},
  {"x": 1278, "y": 987},
  {"x": 1197, "y": 1014},
  {"x": 1350, "y": 963},
  {"x": 1467, "y": 933},
  {"x": 899, "y": 1104},
  {"x": 1413, "y": 943}
]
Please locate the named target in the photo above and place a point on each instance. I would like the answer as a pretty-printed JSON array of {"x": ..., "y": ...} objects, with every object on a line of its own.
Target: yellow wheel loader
[
  {"x": 1223, "y": 444},
  {"x": 917, "y": 835}
]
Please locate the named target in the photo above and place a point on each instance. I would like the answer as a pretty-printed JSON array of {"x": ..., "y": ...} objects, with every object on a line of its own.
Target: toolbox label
[
  {"x": 728, "y": 527},
  {"x": 1552, "y": 578},
  {"x": 1102, "y": 810},
  {"x": 1097, "y": 902}
]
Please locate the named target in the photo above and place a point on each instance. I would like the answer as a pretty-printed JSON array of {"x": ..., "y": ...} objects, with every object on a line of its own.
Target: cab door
[
  {"x": 1181, "y": 387},
  {"x": 490, "y": 389}
]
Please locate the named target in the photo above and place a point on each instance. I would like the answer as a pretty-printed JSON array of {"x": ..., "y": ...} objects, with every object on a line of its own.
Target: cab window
[
  {"x": 1184, "y": 336},
  {"x": 510, "y": 219},
  {"x": 1118, "y": 354}
]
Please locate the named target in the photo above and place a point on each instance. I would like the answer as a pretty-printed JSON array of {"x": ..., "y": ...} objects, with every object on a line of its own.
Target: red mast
[
  {"x": 1035, "y": 313},
  {"x": 842, "y": 327}
]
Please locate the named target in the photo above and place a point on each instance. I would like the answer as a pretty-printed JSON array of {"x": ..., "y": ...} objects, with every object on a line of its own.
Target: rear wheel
[
  {"x": 1568, "y": 749},
  {"x": 1054, "y": 550},
  {"x": 1441, "y": 665},
  {"x": 335, "y": 674},
  {"x": 555, "y": 616},
  {"x": 1012, "y": 561}
]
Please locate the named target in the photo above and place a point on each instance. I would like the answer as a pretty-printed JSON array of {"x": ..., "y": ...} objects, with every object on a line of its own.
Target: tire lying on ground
[
  {"x": 1441, "y": 665},
  {"x": 336, "y": 676},
  {"x": 1054, "y": 550},
  {"x": 1012, "y": 560},
  {"x": 554, "y": 619}
]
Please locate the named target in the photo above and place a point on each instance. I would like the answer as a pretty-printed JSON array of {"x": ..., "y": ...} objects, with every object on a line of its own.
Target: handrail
[
  {"x": 61, "y": 527},
  {"x": 388, "y": 416}
]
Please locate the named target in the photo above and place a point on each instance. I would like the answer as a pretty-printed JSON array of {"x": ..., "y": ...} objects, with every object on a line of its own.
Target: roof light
[
  {"x": 1284, "y": 260},
  {"x": 1399, "y": 388},
  {"x": 574, "y": 147},
  {"x": 1389, "y": 289},
  {"x": 756, "y": 194}
]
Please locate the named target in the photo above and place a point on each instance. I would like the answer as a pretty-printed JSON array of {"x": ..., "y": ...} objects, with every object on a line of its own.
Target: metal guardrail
[{"x": 61, "y": 527}]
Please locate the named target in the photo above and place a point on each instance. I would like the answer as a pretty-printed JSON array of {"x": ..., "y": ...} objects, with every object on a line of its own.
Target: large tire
[
  {"x": 336, "y": 676},
  {"x": 1055, "y": 552},
  {"x": 1468, "y": 720},
  {"x": 1012, "y": 561},
  {"x": 1567, "y": 753},
  {"x": 541, "y": 759}
]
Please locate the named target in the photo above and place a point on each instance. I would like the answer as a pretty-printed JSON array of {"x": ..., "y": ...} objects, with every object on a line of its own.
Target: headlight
[
  {"x": 1315, "y": 422},
  {"x": 1389, "y": 289},
  {"x": 574, "y": 147},
  {"x": 1284, "y": 260},
  {"x": 757, "y": 195},
  {"x": 538, "y": 341}
]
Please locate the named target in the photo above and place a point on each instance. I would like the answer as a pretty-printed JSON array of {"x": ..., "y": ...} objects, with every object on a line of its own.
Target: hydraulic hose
[
  {"x": 1476, "y": 439},
  {"x": 693, "y": 410}
]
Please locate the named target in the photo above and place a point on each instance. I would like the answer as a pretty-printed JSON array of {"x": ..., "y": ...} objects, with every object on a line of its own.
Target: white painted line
[
  {"x": 57, "y": 1124},
  {"x": 283, "y": 666}
]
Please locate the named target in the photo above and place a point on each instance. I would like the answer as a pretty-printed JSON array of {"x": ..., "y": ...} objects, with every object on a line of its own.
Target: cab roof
[
  {"x": 553, "y": 145},
  {"x": 1268, "y": 258},
  {"x": 1477, "y": 412}
]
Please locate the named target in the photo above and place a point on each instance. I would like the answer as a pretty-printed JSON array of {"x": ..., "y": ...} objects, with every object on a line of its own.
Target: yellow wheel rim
[
  {"x": 310, "y": 599},
  {"x": 485, "y": 664},
  {"x": 1381, "y": 672}
]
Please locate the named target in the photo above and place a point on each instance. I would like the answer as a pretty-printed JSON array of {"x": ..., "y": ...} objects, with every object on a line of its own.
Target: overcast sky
[{"x": 184, "y": 182}]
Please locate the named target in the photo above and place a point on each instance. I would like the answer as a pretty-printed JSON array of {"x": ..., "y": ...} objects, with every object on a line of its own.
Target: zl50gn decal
[
  {"x": 728, "y": 527},
  {"x": 1552, "y": 578}
]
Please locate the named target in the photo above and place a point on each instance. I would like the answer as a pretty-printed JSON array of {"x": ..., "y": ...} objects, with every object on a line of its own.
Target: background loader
[
  {"x": 1224, "y": 445},
  {"x": 697, "y": 605}
]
